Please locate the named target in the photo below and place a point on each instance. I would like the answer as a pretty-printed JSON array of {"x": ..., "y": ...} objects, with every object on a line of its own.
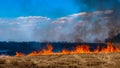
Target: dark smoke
[{"x": 102, "y": 5}]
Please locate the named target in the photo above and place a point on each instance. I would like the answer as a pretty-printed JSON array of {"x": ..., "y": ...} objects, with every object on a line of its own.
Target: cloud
[
  {"x": 21, "y": 28},
  {"x": 79, "y": 14},
  {"x": 80, "y": 27}
]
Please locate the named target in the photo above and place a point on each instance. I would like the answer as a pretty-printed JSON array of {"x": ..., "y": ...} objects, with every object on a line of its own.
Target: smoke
[
  {"x": 103, "y": 5},
  {"x": 80, "y": 27}
]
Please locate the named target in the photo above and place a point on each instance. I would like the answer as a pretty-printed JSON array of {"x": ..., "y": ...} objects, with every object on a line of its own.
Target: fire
[
  {"x": 3, "y": 56},
  {"x": 19, "y": 54},
  {"x": 48, "y": 51},
  {"x": 82, "y": 49},
  {"x": 77, "y": 50},
  {"x": 110, "y": 48}
]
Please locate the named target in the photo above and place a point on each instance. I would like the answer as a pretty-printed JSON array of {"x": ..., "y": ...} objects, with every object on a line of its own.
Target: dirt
[{"x": 110, "y": 60}]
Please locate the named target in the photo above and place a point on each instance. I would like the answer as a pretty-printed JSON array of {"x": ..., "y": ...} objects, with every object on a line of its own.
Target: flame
[
  {"x": 82, "y": 49},
  {"x": 19, "y": 54},
  {"x": 77, "y": 50},
  {"x": 48, "y": 51},
  {"x": 3, "y": 56},
  {"x": 110, "y": 48}
]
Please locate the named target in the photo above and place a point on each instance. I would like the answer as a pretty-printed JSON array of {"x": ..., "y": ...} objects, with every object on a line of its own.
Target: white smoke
[{"x": 80, "y": 27}]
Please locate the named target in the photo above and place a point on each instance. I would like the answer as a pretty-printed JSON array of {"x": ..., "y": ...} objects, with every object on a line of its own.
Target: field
[{"x": 110, "y": 60}]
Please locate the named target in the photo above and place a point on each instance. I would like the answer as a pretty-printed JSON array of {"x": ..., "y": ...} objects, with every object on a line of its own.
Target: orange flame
[
  {"x": 19, "y": 54},
  {"x": 3, "y": 56},
  {"x": 82, "y": 49},
  {"x": 110, "y": 48},
  {"x": 48, "y": 51},
  {"x": 78, "y": 50}
]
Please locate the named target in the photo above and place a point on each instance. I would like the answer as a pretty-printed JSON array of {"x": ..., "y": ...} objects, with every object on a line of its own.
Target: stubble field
[{"x": 100, "y": 60}]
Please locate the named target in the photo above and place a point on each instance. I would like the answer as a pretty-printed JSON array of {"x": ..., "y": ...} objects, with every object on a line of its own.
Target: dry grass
[{"x": 110, "y": 60}]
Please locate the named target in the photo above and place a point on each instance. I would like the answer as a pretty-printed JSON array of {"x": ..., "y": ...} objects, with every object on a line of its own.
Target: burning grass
[
  {"x": 80, "y": 57},
  {"x": 77, "y": 50}
]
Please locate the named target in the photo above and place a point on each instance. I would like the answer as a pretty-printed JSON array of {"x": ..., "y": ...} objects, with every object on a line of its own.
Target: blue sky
[
  {"x": 49, "y": 8},
  {"x": 58, "y": 20}
]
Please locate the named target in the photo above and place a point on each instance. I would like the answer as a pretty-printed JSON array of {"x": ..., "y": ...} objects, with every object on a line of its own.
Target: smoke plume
[{"x": 80, "y": 27}]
